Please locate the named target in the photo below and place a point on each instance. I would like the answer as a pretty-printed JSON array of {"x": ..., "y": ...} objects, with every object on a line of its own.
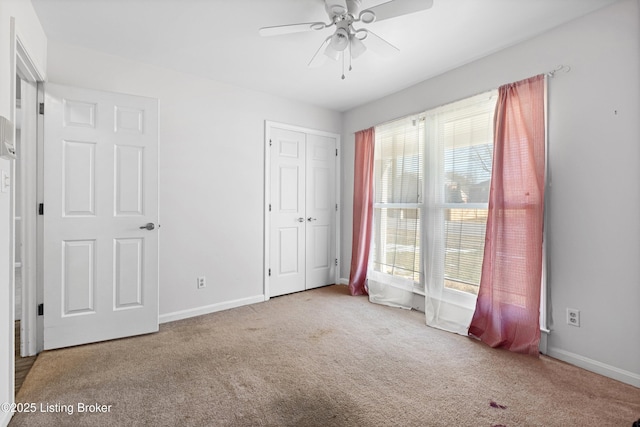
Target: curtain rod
[{"x": 553, "y": 72}]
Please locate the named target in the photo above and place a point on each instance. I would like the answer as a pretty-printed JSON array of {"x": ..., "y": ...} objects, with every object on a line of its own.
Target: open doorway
[
  {"x": 25, "y": 243},
  {"x": 24, "y": 237},
  {"x": 25, "y": 179},
  {"x": 18, "y": 205}
]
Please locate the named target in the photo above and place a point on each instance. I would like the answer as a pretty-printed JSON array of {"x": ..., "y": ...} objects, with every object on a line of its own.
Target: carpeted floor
[{"x": 316, "y": 358}]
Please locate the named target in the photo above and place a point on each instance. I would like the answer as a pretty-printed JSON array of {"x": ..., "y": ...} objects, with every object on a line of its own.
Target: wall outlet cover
[{"x": 573, "y": 317}]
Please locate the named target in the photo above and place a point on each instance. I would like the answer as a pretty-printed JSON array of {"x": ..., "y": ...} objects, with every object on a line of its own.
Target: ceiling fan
[{"x": 347, "y": 41}]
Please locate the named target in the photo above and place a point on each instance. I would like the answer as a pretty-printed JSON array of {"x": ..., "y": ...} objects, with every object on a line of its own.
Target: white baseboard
[
  {"x": 199, "y": 311},
  {"x": 543, "y": 347},
  {"x": 343, "y": 281},
  {"x": 595, "y": 366}
]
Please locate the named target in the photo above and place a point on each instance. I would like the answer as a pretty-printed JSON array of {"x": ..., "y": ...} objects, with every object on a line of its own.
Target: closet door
[
  {"x": 287, "y": 231},
  {"x": 301, "y": 210},
  {"x": 320, "y": 211}
]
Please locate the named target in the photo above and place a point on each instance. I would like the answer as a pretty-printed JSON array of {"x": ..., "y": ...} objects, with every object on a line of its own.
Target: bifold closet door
[
  {"x": 288, "y": 222},
  {"x": 320, "y": 210},
  {"x": 302, "y": 216}
]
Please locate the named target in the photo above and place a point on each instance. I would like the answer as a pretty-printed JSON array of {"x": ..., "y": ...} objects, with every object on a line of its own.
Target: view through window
[
  {"x": 398, "y": 166},
  {"x": 432, "y": 177}
]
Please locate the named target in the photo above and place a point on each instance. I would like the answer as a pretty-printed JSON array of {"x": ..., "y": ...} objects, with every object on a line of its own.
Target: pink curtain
[
  {"x": 507, "y": 310},
  {"x": 362, "y": 211}
]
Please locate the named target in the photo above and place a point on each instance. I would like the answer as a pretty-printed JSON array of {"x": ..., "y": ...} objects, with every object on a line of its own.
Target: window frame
[
  {"x": 376, "y": 247},
  {"x": 428, "y": 128}
]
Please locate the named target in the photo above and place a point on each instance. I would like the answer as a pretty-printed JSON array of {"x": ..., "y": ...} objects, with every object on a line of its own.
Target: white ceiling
[{"x": 219, "y": 39}]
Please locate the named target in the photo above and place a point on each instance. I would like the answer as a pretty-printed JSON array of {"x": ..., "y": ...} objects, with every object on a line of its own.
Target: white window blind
[
  {"x": 465, "y": 139},
  {"x": 398, "y": 177},
  {"x": 459, "y": 158}
]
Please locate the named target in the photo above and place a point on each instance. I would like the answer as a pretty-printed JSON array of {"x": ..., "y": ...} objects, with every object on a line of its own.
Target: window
[
  {"x": 432, "y": 176},
  {"x": 398, "y": 177},
  {"x": 460, "y": 146}
]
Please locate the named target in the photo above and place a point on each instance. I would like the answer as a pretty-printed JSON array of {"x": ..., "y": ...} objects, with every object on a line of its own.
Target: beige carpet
[{"x": 317, "y": 358}]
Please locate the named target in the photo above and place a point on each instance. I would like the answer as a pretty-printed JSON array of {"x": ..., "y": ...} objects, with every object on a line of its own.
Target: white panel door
[
  {"x": 287, "y": 231},
  {"x": 302, "y": 242},
  {"x": 100, "y": 216},
  {"x": 320, "y": 211}
]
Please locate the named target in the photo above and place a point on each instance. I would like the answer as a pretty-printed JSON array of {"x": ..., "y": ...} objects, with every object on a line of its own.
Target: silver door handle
[
  {"x": 300, "y": 219},
  {"x": 149, "y": 226},
  {"x": 312, "y": 219}
]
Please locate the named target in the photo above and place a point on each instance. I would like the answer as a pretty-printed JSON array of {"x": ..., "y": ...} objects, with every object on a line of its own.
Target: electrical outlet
[
  {"x": 202, "y": 282},
  {"x": 573, "y": 317}
]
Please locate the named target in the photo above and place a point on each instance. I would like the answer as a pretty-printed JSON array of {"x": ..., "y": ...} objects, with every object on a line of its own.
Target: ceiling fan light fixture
[
  {"x": 330, "y": 52},
  {"x": 339, "y": 40},
  {"x": 357, "y": 47}
]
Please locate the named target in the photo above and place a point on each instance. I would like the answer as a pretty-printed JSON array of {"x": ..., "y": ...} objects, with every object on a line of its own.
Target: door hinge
[
  {"x": 336, "y": 207},
  {"x": 270, "y": 143},
  {"x": 336, "y": 152},
  {"x": 41, "y": 209},
  {"x": 41, "y": 108},
  {"x": 40, "y": 309},
  {"x": 269, "y": 272},
  {"x": 269, "y": 207},
  {"x": 336, "y": 261}
]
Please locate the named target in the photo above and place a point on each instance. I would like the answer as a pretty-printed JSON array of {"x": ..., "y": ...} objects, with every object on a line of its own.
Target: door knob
[
  {"x": 300, "y": 219},
  {"x": 149, "y": 226},
  {"x": 312, "y": 219}
]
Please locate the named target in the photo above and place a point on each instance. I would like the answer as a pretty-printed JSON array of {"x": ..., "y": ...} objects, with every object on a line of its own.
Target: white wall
[
  {"x": 594, "y": 201},
  {"x": 211, "y": 173},
  {"x": 28, "y": 29}
]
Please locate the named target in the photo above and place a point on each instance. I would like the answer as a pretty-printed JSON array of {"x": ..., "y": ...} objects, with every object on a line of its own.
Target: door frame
[
  {"x": 267, "y": 195},
  {"x": 28, "y": 71}
]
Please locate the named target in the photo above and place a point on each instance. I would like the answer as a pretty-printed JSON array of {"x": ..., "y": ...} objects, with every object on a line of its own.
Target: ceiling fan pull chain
[{"x": 343, "y": 65}]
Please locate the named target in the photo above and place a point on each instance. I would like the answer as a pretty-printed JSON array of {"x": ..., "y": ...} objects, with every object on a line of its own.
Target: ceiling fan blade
[
  {"x": 291, "y": 28},
  {"x": 379, "y": 45},
  {"x": 319, "y": 59},
  {"x": 394, "y": 8},
  {"x": 336, "y": 7}
]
